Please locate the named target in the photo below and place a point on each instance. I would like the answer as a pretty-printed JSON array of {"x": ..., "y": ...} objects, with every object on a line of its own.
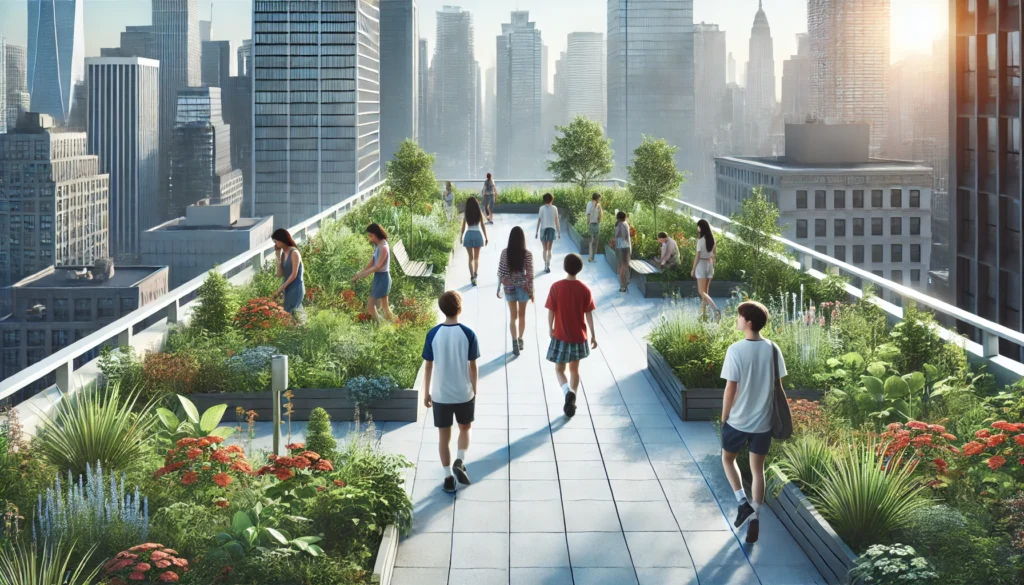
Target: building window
[
  {"x": 876, "y": 253},
  {"x": 820, "y": 228},
  {"x": 12, "y": 361},
  {"x": 36, "y": 338},
  {"x": 819, "y": 199},
  {"x": 876, "y": 198},
  {"x": 128, "y": 305},
  {"x": 896, "y": 198},
  {"x": 840, "y": 228},
  {"x": 915, "y": 252},
  {"x": 897, "y": 276},
  {"x": 801, "y": 229},
  {"x": 61, "y": 310},
  {"x": 59, "y": 338},
  {"x": 83, "y": 310},
  {"x": 858, "y": 254},
  {"x": 81, "y": 334},
  {"x": 105, "y": 308},
  {"x": 839, "y": 199},
  {"x": 896, "y": 253},
  {"x": 858, "y": 199},
  {"x": 895, "y": 226},
  {"x": 12, "y": 338},
  {"x": 915, "y": 276},
  {"x": 840, "y": 253},
  {"x": 35, "y": 356},
  {"x": 858, "y": 226},
  {"x": 915, "y": 198},
  {"x": 876, "y": 226},
  {"x": 801, "y": 199},
  {"x": 915, "y": 226}
]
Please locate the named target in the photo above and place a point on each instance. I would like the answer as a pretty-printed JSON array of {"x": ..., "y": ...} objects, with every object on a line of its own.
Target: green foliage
[
  {"x": 46, "y": 563},
  {"x": 862, "y": 326},
  {"x": 186, "y": 527},
  {"x": 217, "y": 303},
  {"x": 831, "y": 289},
  {"x": 918, "y": 342},
  {"x": 410, "y": 179},
  {"x": 121, "y": 365},
  {"x": 256, "y": 531},
  {"x": 362, "y": 463},
  {"x": 365, "y": 390},
  {"x": 583, "y": 153},
  {"x": 947, "y": 538},
  {"x": 757, "y": 225},
  {"x": 319, "y": 437},
  {"x": 93, "y": 426},
  {"x": 866, "y": 497},
  {"x": 694, "y": 347},
  {"x": 653, "y": 176},
  {"x": 287, "y": 570},
  {"x": 806, "y": 460},
  {"x": 893, "y": 565},
  {"x": 194, "y": 425}
]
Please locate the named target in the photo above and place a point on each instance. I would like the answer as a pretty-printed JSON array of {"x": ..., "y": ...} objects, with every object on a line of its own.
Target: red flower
[
  {"x": 283, "y": 474},
  {"x": 320, "y": 488},
  {"x": 323, "y": 465},
  {"x": 169, "y": 577},
  {"x": 193, "y": 453},
  {"x": 137, "y": 576},
  {"x": 143, "y": 567},
  {"x": 222, "y": 503},
  {"x": 894, "y": 426},
  {"x": 339, "y": 483},
  {"x": 295, "y": 446},
  {"x": 917, "y": 425},
  {"x": 190, "y": 478},
  {"x": 312, "y": 456},
  {"x": 162, "y": 564},
  {"x": 996, "y": 462},
  {"x": 973, "y": 448},
  {"x": 948, "y": 436},
  {"x": 1002, "y": 425},
  {"x": 300, "y": 462},
  {"x": 241, "y": 467},
  {"x": 187, "y": 442},
  {"x": 235, "y": 449},
  {"x": 941, "y": 465},
  {"x": 220, "y": 456},
  {"x": 937, "y": 428},
  {"x": 996, "y": 440},
  {"x": 222, "y": 479},
  {"x": 921, "y": 440},
  {"x": 264, "y": 470},
  {"x": 1019, "y": 439},
  {"x": 158, "y": 555},
  {"x": 983, "y": 434}
]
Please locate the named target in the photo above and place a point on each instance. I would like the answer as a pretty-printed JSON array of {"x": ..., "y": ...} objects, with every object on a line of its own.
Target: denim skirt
[
  {"x": 381, "y": 285},
  {"x": 473, "y": 239}
]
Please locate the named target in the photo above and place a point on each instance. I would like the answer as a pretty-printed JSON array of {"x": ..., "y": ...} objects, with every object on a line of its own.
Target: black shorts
[
  {"x": 734, "y": 441},
  {"x": 461, "y": 412}
]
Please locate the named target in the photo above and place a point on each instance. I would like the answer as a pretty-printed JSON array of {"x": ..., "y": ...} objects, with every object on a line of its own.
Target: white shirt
[
  {"x": 451, "y": 348},
  {"x": 593, "y": 212},
  {"x": 547, "y": 217},
  {"x": 749, "y": 364}
]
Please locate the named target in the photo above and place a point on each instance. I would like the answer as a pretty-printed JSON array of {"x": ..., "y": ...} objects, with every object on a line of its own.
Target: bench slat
[
  {"x": 409, "y": 267},
  {"x": 643, "y": 267}
]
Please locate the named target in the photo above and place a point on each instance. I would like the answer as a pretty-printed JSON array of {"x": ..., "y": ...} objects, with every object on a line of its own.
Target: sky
[{"x": 914, "y": 22}]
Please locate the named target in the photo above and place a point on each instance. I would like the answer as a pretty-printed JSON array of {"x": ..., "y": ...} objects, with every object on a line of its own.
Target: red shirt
[{"x": 571, "y": 301}]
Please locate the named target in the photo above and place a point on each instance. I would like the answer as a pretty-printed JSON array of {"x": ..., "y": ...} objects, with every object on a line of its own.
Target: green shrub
[
  {"x": 893, "y": 565},
  {"x": 365, "y": 390},
  {"x": 805, "y": 460},
  {"x": 947, "y": 538},
  {"x": 122, "y": 366},
  {"x": 363, "y": 464},
  {"x": 694, "y": 348},
  {"x": 294, "y": 570},
  {"x": 216, "y": 303},
  {"x": 319, "y": 437}
]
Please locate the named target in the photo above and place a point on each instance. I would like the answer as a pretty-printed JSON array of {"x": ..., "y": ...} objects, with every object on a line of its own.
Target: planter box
[
  {"x": 384, "y": 567},
  {"x": 403, "y": 406},
  {"x": 827, "y": 551},
  {"x": 683, "y": 288},
  {"x": 582, "y": 242}
]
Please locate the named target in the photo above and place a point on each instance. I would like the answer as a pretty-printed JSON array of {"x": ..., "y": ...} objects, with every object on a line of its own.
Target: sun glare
[{"x": 915, "y": 25}]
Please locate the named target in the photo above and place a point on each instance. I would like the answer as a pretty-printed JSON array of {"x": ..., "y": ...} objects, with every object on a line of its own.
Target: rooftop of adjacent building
[
  {"x": 61, "y": 277},
  {"x": 212, "y": 215},
  {"x": 36, "y": 123},
  {"x": 784, "y": 164},
  {"x": 122, "y": 60},
  {"x": 181, "y": 224}
]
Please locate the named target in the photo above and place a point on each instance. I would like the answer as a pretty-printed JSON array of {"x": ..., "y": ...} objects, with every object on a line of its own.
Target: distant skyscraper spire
[
  {"x": 761, "y": 80},
  {"x": 56, "y": 55}
]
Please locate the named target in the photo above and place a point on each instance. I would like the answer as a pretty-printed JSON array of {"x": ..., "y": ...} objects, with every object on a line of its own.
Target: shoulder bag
[{"x": 782, "y": 419}]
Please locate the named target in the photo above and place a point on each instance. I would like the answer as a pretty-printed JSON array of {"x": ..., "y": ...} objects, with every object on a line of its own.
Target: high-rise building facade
[
  {"x": 519, "y": 60},
  {"x": 650, "y": 76},
  {"x": 985, "y": 170},
  {"x": 56, "y": 55},
  {"x": 16, "y": 80},
  {"x": 709, "y": 69},
  {"x": 585, "y": 80},
  {"x": 399, "y": 80},
  {"x": 761, "y": 82},
  {"x": 136, "y": 41},
  {"x": 201, "y": 153},
  {"x": 62, "y": 215},
  {"x": 316, "y": 67},
  {"x": 422, "y": 77},
  {"x": 215, "y": 68},
  {"x": 177, "y": 45},
  {"x": 236, "y": 99},
  {"x": 796, "y": 83},
  {"x": 124, "y": 132},
  {"x": 3, "y": 85},
  {"x": 849, "y": 42},
  {"x": 245, "y": 58},
  {"x": 453, "y": 95},
  {"x": 730, "y": 69}
]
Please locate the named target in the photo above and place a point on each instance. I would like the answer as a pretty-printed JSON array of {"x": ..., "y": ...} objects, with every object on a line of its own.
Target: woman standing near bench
[
  {"x": 704, "y": 266},
  {"x": 380, "y": 267},
  {"x": 473, "y": 236},
  {"x": 623, "y": 250}
]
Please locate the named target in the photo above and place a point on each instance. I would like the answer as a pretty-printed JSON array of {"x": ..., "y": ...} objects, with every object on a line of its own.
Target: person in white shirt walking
[
  {"x": 548, "y": 228},
  {"x": 594, "y": 215}
]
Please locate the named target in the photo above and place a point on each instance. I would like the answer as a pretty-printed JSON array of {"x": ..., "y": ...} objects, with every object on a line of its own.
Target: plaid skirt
[{"x": 562, "y": 352}]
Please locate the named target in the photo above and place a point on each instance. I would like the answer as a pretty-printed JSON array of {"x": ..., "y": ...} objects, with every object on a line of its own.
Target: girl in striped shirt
[{"x": 515, "y": 274}]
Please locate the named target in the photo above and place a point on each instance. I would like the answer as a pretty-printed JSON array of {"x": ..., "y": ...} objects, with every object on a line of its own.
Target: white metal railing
[
  {"x": 168, "y": 306},
  {"x": 477, "y": 184}
]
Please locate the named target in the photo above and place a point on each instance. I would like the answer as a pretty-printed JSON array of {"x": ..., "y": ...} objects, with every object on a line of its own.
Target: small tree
[
  {"x": 319, "y": 437},
  {"x": 653, "y": 174},
  {"x": 410, "y": 179},
  {"x": 216, "y": 304},
  {"x": 584, "y": 153},
  {"x": 757, "y": 224}
]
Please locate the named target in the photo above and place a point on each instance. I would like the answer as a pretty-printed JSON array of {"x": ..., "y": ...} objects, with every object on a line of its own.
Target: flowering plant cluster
[
  {"x": 260, "y": 317},
  {"x": 931, "y": 444},
  {"x": 255, "y": 360},
  {"x": 299, "y": 462},
  {"x": 174, "y": 371},
  {"x": 808, "y": 416},
  {"x": 364, "y": 390},
  {"x": 892, "y": 565},
  {"x": 1003, "y": 442},
  {"x": 351, "y": 301},
  {"x": 412, "y": 313},
  {"x": 145, "y": 563},
  {"x": 204, "y": 466}
]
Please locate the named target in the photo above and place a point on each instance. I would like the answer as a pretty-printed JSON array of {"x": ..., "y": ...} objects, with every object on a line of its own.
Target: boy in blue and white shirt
[{"x": 450, "y": 353}]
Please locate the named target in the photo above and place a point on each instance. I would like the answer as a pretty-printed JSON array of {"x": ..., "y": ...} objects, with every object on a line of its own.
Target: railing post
[
  {"x": 278, "y": 385},
  {"x": 806, "y": 261},
  {"x": 64, "y": 373},
  {"x": 989, "y": 344},
  {"x": 173, "y": 311}
]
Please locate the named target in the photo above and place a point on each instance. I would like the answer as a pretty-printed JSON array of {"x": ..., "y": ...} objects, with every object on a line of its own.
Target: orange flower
[
  {"x": 996, "y": 462},
  {"x": 948, "y": 436},
  {"x": 295, "y": 446},
  {"x": 937, "y": 428},
  {"x": 137, "y": 576},
  {"x": 190, "y": 478},
  {"x": 220, "y": 456},
  {"x": 312, "y": 456},
  {"x": 917, "y": 425},
  {"x": 241, "y": 467},
  {"x": 983, "y": 434},
  {"x": 283, "y": 474},
  {"x": 222, "y": 479},
  {"x": 143, "y": 567},
  {"x": 169, "y": 577},
  {"x": 339, "y": 483},
  {"x": 1002, "y": 425},
  {"x": 996, "y": 440},
  {"x": 194, "y": 453},
  {"x": 323, "y": 465},
  {"x": 300, "y": 462},
  {"x": 973, "y": 448}
]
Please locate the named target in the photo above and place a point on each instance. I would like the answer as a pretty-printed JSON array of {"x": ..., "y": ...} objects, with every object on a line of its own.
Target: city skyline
[{"x": 913, "y": 22}]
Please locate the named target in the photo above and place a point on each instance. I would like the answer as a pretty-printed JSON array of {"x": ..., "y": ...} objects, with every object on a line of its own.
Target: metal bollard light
[{"x": 278, "y": 385}]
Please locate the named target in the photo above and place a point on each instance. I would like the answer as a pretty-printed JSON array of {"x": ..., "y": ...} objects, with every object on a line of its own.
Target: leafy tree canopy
[
  {"x": 653, "y": 176},
  {"x": 584, "y": 154}
]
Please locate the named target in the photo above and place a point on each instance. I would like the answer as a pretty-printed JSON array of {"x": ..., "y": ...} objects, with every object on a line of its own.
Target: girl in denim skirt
[
  {"x": 515, "y": 272},
  {"x": 380, "y": 267},
  {"x": 548, "y": 228},
  {"x": 473, "y": 236}
]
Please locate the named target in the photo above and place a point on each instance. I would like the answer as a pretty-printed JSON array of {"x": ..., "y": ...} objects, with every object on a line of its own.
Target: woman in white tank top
[{"x": 704, "y": 266}]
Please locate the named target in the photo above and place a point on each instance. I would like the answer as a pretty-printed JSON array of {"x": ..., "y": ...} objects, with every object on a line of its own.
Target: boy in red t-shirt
[{"x": 569, "y": 302}]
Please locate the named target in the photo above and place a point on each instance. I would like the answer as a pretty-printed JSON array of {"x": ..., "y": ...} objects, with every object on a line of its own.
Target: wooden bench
[
  {"x": 643, "y": 267},
  {"x": 410, "y": 267}
]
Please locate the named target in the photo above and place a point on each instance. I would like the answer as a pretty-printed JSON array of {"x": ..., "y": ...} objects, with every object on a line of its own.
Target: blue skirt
[
  {"x": 548, "y": 235},
  {"x": 473, "y": 239},
  {"x": 381, "y": 285}
]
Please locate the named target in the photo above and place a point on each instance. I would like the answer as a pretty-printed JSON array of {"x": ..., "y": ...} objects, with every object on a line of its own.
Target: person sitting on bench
[{"x": 669, "y": 252}]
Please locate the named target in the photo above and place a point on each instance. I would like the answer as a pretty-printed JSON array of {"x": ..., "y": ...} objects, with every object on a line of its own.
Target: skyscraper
[
  {"x": 245, "y": 58},
  {"x": 124, "y": 132},
  {"x": 16, "y": 78},
  {"x": 850, "y": 63},
  {"x": 201, "y": 153},
  {"x": 60, "y": 182},
  {"x": 585, "y": 81},
  {"x": 650, "y": 76},
  {"x": 796, "y": 83},
  {"x": 56, "y": 55},
  {"x": 317, "y": 130},
  {"x": 709, "y": 68},
  {"x": 985, "y": 172},
  {"x": 399, "y": 82},
  {"x": 236, "y": 99},
  {"x": 178, "y": 48},
  {"x": 3, "y": 85},
  {"x": 422, "y": 80},
  {"x": 761, "y": 82},
  {"x": 730, "y": 69},
  {"x": 452, "y": 95},
  {"x": 519, "y": 59},
  {"x": 136, "y": 41},
  {"x": 215, "y": 68}
]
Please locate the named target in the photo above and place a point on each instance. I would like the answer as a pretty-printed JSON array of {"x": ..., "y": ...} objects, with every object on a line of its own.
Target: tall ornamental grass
[{"x": 47, "y": 563}]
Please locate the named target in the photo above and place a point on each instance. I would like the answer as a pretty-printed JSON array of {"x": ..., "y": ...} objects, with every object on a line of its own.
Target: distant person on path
[
  {"x": 669, "y": 256},
  {"x": 380, "y": 267},
  {"x": 448, "y": 200},
  {"x": 450, "y": 379},
  {"x": 291, "y": 269},
  {"x": 704, "y": 266},
  {"x": 623, "y": 250},
  {"x": 515, "y": 274},
  {"x": 570, "y": 308},
  {"x": 748, "y": 370},
  {"x": 594, "y": 215},
  {"x": 548, "y": 228},
  {"x": 490, "y": 194},
  {"x": 473, "y": 236}
]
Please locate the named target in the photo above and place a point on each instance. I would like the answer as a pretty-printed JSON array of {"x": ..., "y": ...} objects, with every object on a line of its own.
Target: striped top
[{"x": 524, "y": 279}]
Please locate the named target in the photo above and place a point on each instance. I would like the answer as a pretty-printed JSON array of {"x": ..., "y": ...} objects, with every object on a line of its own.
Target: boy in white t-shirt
[
  {"x": 747, "y": 409},
  {"x": 450, "y": 353}
]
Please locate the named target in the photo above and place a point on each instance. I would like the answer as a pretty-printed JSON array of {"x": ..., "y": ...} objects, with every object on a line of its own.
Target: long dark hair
[
  {"x": 282, "y": 235},
  {"x": 473, "y": 214},
  {"x": 704, "y": 231},
  {"x": 516, "y": 250},
  {"x": 377, "y": 230}
]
